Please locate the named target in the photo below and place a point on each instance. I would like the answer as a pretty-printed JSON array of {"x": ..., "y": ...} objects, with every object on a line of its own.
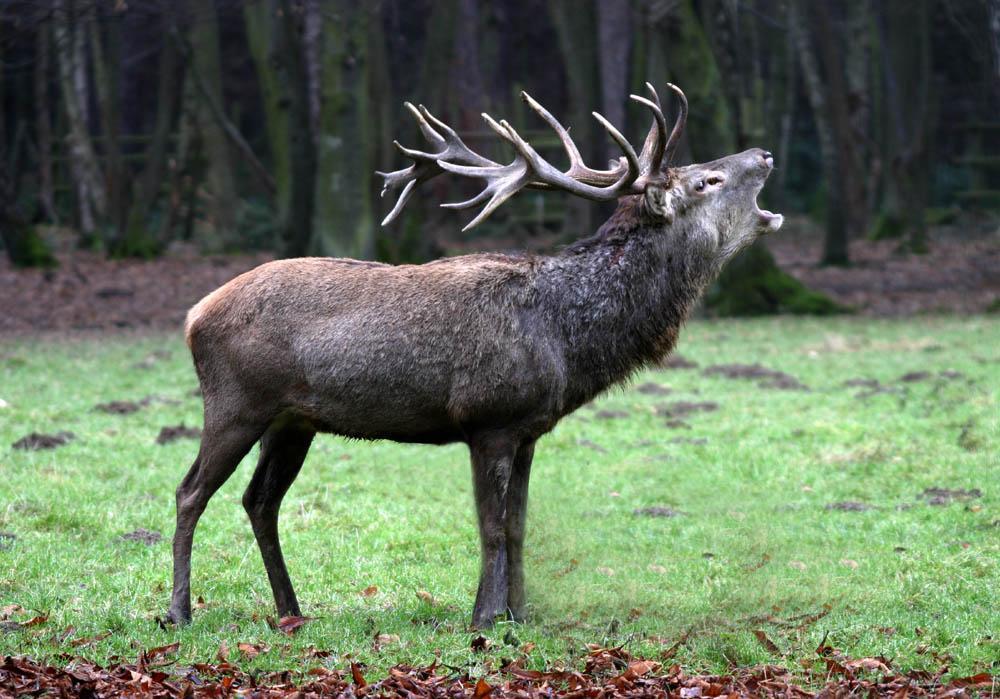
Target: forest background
[{"x": 137, "y": 127}]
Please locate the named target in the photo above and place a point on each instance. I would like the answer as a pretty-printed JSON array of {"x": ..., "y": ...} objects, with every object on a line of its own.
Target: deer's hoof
[
  {"x": 175, "y": 618},
  {"x": 481, "y": 622}
]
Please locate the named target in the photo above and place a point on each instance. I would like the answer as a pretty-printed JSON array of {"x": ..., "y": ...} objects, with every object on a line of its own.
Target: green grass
[{"x": 755, "y": 545}]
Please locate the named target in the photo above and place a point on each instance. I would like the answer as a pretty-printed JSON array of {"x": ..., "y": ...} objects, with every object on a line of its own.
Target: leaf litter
[{"x": 608, "y": 672}]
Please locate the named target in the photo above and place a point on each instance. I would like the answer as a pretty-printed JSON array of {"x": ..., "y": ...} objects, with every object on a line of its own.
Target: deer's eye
[{"x": 699, "y": 186}]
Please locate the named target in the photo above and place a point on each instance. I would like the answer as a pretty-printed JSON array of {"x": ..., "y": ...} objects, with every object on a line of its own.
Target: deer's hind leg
[
  {"x": 283, "y": 448},
  {"x": 492, "y": 458},
  {"x": 224, "y": 443}
]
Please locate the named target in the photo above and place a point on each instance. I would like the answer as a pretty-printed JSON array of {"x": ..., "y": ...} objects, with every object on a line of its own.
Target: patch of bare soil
[
  {"x": 591, "y": 445},
  {"x": 696, "y": 441},
  {"x": 960, "y": 273},
  {"x": 862, "y": 383},
  {"x": 945, "y": 496},
  {"x": 146, "y": 536},
  {"x": 683, "y": 408},
  {"x": 676, "y": 361},
  {"x": 849, "y": 506},
  {"x": 610, "y": 414},
  {"x": 675, "y": 424},
  {"x": 766, "y": 378},
  {"x": 611, "y": 673},
  {"x": 653, "y": 389},
  {"x": 90, "y": 293},
  {"x": 171, "y": 434},
  {"x": 872, "y": 387},
  {"x": 127, "y": 407},
  {"x": 37, "y": 441},
  {"x": 120, "y": 407},
  {"x": 657, "y": 511}
]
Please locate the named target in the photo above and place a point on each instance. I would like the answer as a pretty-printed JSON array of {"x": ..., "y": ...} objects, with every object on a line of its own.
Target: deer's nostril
[{"x": 768, "y": 158}]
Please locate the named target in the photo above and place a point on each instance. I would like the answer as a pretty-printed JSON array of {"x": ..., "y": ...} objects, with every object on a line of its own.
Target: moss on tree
[
  {"x": 753, "y": 284},
  {"x": 25, "y": 248}
]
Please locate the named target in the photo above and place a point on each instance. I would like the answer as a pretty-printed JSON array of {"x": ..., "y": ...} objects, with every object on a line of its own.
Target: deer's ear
[{"x": 659, "y": 202}]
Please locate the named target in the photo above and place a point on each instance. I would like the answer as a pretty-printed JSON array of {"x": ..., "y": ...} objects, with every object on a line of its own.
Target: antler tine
[
  {"x": 633, "y": 160},
  {"x": 547, "y": 174},
  {"x": 577, "y": 168},
  {"x": 675, "y": 134},
  {"x": 425, "y": 128},
  {"x": 425, "y": 165},
  {"x": 656, "y": 139},
  {"x": 575, "y": 159}
]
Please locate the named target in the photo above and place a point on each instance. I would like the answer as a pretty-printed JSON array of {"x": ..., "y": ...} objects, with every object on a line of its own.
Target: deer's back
[{"x": 408, "y": 352}]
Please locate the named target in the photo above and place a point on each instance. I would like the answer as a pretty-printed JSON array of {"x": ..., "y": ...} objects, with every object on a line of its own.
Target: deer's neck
[{"x": 620, "y": 299}]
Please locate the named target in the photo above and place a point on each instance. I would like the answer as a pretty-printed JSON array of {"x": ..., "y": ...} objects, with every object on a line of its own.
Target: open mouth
[{"x": 768, "y": 221}]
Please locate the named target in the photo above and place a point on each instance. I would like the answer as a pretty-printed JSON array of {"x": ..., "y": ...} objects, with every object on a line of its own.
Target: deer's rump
[{"x": 374, "y": 351}]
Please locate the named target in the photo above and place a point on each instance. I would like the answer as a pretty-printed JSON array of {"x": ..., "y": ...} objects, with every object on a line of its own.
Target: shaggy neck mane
[{"x": 621, "y": 296}]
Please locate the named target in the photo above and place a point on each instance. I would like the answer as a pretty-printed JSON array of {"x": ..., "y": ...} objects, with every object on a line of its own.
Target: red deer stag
[{"x": 490, "y": 350}]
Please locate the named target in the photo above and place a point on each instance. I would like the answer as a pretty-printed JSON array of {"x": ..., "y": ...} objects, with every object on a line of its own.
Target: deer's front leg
[
  {"x": 492, "y": 459},
  {"x": 517, "y": 512}
]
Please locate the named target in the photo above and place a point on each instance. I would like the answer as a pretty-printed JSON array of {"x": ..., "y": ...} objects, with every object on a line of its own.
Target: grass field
[{"x": 796, "y": 512}]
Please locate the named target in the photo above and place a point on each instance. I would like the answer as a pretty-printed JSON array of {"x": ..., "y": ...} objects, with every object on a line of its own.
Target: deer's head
[
  {"x": 713, "y": 206},
  {"x": 715, "y": 203}
]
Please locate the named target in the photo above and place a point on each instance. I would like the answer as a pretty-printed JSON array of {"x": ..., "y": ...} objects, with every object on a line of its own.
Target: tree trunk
[
  {"x": 906, "y": 67},
  {"x": 614, "y": 29},
  {"x": 690, "y": 60},
  {"x": 826, "y": 97},
  {"x": 413, "y": 238},
  {"x": 993, "y": 36},
  {"x": 223, "y": 203},
  {"x": 136, "y": 239},
  {"x": 787, "y": 119},
  {"x": 43, "y": 122},
  {"x": 576, "y": 32},
  {"x": 383, "y": 155},
  {"x": 3, "y": 83},
  {"x": 862, "y": 181},
  {"x": 466, "y": 73},
  {"x": 187, "y": 174},
  {"x": 298, "y": 224},
  {"x": 20, "y": 240},
  {"x": 345, "y": 223},
  {"x": 263, "y": 37},
  {"x": 312, "y": 32},
  {"x": 86, "y": 173},
  {"x": 107, "y": 74}
]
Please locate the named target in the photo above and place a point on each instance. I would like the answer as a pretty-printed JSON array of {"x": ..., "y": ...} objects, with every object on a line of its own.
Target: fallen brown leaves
[
  {"x": 609, "y": 673},
  {"x": 288, "y": 625}
]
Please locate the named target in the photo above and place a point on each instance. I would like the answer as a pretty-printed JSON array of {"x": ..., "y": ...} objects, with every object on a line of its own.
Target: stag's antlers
[{"x": 530, "y": 170}]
